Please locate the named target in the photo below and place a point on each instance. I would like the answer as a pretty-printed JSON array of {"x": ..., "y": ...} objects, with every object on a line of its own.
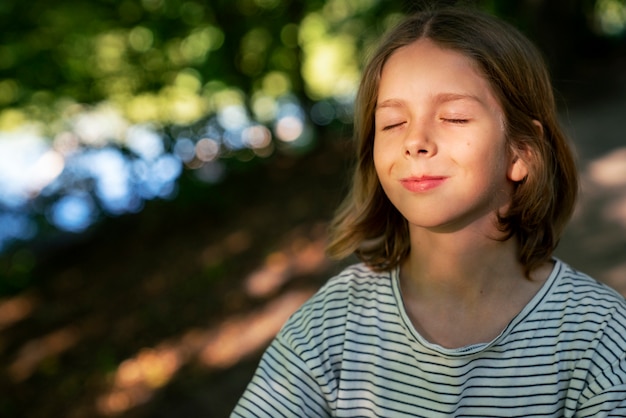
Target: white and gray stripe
[{"x": 352, "y": 351}]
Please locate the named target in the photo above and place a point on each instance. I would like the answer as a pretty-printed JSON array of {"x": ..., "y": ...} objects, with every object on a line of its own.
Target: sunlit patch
[
  {"x": 16, "y": 309},
  {"x": 610, "y": 170},
  {"x": 270, "y": 277},
  {"x": 33, "y": 353},
  {"x": 298, "y": 257},
  {"x": 239, "y": 337},
  {"x": 138, "y": 378},
  {"x": 151, "y": 367},
  {"x": 608, "y": 175}
]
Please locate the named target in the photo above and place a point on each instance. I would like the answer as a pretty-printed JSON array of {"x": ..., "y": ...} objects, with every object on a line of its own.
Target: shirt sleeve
[
  {"x": 611, "y": 403},
  {"x": 605, "y": 394},
  {"x": 282, "y": 386}
]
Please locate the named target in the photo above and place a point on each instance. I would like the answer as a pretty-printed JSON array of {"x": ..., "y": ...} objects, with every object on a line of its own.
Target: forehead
[{"x": 423, "y": 68}]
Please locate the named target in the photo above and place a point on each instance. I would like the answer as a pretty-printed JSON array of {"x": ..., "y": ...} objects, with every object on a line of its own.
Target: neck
[
  {"x": 461, "y": 267},
  {"x": 464, "y": 287}
]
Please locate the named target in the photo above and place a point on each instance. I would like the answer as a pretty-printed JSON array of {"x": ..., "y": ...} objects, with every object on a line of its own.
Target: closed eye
[
  {"x": 390, "y": 127},
  {"x": 456, "y": 121}
]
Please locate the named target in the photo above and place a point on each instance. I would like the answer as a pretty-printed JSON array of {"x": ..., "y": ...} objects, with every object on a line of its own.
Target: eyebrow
[{"x": 438, "y": 99}]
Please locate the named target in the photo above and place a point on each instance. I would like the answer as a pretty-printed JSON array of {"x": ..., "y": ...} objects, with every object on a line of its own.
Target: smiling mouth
[{"x": 422, "y": 184}]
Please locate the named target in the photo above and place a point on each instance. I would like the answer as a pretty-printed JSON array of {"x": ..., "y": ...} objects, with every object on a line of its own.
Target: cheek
[{"x": 379, "y": 157}]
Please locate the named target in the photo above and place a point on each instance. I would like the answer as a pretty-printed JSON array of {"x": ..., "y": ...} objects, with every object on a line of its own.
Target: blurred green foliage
[
  {"x": 171, "y": 61},
  {"x": 177, "y": 61}
]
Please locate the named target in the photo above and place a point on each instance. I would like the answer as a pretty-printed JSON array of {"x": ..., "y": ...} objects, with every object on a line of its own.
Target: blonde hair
[{"x": 368, "y": 225}]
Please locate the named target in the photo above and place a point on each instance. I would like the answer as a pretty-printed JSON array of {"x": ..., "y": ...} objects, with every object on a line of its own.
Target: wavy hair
[{"x": 368, "y": 225}]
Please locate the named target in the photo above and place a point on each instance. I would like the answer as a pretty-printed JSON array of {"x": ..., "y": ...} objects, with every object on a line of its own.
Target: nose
[{"x": 419, "y": 141}]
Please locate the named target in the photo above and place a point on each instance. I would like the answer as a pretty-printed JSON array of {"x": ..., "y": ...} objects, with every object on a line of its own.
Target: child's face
[{"x": 439, "y": 148}]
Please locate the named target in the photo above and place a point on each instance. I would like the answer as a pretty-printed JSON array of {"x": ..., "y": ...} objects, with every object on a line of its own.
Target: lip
[{"x": 422, "y": 183}]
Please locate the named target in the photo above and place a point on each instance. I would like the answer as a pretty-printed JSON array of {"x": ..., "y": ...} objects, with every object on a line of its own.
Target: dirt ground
[{"x": 165, "y": 313}]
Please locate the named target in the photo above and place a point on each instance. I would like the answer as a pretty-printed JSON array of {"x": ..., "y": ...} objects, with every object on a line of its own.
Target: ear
[{"x": 518, "y": 168}]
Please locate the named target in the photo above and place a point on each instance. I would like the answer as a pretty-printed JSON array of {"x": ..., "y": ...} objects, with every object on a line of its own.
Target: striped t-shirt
[{"x": 351, "y": 351}]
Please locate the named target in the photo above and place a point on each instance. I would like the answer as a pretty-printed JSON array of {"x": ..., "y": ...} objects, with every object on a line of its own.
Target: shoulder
[
  {"x": 589, "y": 310},
  {"x": 356, "y": 282},
  {"x": 586, "y": 294},
  {"x": 594, "y": 320}
]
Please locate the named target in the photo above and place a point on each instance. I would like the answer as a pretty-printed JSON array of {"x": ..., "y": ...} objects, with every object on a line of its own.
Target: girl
[{"x": 463, "y": 185}]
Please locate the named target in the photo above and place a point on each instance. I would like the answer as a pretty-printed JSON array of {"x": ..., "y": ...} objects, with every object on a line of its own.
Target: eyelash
[
  {"x": 390, "y": 127},
  {"x": 453, "y": 121},
  {"x": 456, "y": 121}
]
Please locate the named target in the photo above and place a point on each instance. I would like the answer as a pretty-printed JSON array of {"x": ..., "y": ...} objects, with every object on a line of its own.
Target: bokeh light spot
[
  {"x": 289, "y": 128},
  {"x": 289, "y": 35},
  {"x": 276, "y": 84},
  {"x": 257, "y": 136},
  {"x": 73, "y": 213},
  {"x": 323, "y": 113},
  {"x": 264, "y": 107},
  {"x": 233, "y": 117},
  {"x": 611, "y": 16},
  {"x": 185, "y": 149},
  {"x": 9, "y": 91},
  {"x": 207, "y": 149},
  {"x": 144, "y": 142},
  {"x": 140, "y": 38}
]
